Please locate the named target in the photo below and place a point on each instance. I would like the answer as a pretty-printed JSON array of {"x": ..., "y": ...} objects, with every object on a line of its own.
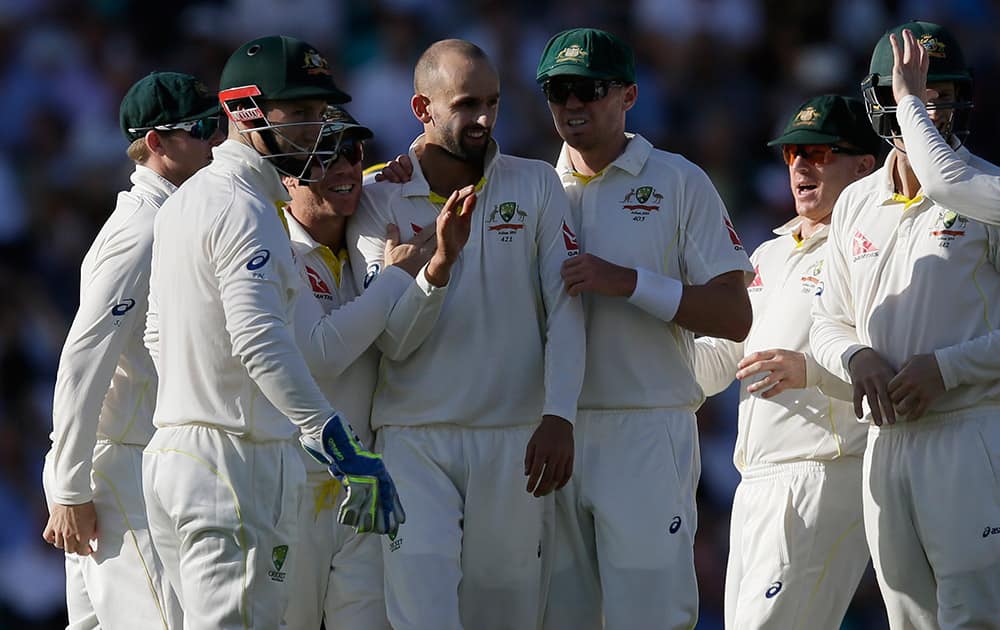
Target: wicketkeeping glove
[{"x": 372, "y": 504}]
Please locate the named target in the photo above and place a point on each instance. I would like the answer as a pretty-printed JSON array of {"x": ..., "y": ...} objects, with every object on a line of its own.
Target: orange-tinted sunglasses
[{"x": 815, "y": 154}]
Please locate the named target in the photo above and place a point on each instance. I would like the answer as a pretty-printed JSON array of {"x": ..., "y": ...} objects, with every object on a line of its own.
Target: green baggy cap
[
  {"x": 587, "y": 52},
  {"x": 164, "y": 98},
  {"x": 947, "y": 63},
  {"x": 830, "y": 119}
]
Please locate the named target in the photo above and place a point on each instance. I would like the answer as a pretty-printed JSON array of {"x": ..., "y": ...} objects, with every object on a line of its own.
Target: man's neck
[
  {"x": 593, "y": 161},
  {"x": 904, "y": 180},
  {"x": 808, "y": 227},
  {"x": 325, "y": 229},
  {"x": 444, "y": 172}
]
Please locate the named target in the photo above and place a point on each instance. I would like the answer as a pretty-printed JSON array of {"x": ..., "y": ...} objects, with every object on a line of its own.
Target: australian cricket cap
[
  {"x": 164, "y": 98},
  {"x": 831, "y": 119},
  {"x": 587, "y": 52}
]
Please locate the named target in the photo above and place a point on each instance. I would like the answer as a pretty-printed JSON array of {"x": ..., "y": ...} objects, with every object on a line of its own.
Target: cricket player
[
  {"x": 103, "y": 405},
  {"x": 223, "y": 473},
  {"x": 909, "y": 316},
  {"x": 946, "y": 177},
  {"x": 339, "y": 577},
  {"x": 660, "y": 261},
  {"x": 796, "y": 541},
  {"x": 460, "y": 397}
]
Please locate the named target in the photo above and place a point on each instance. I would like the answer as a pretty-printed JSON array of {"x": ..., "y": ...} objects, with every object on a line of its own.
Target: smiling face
[
  {"x": 587, "y": 126},
  {"x": 463, "y": 106},
  {"x": 335, "y": 195}
]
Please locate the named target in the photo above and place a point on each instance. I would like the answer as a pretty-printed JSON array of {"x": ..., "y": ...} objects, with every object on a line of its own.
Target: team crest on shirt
[
  {"x": 320, "y": 288},
  {"x": 506, "y": 219},
  {"x": 811, "y": 284},
  {"x": 641, "y": 201},
  {"x": 949, "y": 226},
  {"x": 278, "y": 555}
]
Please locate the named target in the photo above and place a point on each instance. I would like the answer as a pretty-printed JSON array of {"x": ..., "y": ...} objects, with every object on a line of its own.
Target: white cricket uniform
[
  {"x": 908, "y": 277},
  {"x": 946, "y": 178},
  {"x": 461, "y": 392},
  {"x": 625, "y": 524},
  {"x": 796, "y": 541},
  {"x": 339, "y": 573},
  {"x": 102, "y": 419},
  {"x": 223, "y": 473}
]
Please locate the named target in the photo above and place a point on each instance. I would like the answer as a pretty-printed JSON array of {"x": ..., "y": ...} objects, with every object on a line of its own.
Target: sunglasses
[
  {"x": 349, "y": 149},
  {"x": 815, "y": 154},
  {"x": 587, "y": 90},
  {"x": 201, "y": 129}
]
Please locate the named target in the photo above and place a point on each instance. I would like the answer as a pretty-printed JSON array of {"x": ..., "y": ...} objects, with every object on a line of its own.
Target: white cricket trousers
[
  {"x": 797, "y": 547},
  {"x": 469, "y": 554},
  {"x": 223, "y": 512},
  {"x": 932, "y": 518},
  {"x": 338, "y": 573},
  {"x": 125, "y": 566},
  {"x": 625, "y": 524}
]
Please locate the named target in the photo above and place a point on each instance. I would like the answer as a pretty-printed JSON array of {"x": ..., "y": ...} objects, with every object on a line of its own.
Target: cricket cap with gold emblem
[
  {"x": 587, "y": 52},
  {"x": 830, "y": 119}
]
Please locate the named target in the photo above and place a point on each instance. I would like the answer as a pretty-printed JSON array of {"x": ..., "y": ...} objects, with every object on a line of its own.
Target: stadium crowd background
[{"x": 717, "y": 79}]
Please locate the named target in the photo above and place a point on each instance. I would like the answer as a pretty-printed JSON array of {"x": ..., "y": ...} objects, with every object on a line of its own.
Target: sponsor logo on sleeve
[
  {"x": 569, "y": 240},
  {"x": 122, "y": 307},
  {"x": 733, "y": 236},
  {"x": 991, "y": 531},
  {"x": 372, "y": 273},
  {"x": 258, "y": 260},
  {"x": 773, "y": 590},
  {"x": 675, "y": 524}
]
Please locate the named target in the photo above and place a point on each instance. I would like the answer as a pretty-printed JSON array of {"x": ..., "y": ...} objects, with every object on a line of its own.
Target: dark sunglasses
[
  {"x": 587, "y": 90},
  {"x": 815, "y": 154},
  {"x": 201, "y": 129}
]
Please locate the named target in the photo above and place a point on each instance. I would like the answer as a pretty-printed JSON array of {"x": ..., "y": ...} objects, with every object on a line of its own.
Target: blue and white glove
[{"x": 372, "y": 504}]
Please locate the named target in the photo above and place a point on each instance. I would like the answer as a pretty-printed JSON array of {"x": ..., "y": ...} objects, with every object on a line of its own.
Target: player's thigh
[
  {"x": 320, "y": 537},
  {"x": 234, "y": 505},
  {"x": 573, "y": 594},
  {"x": 641, "y": 486},
  {"x": 502, "y": 533},
  {"x": 424, "y": 464},
  {"x": 355, "y": 596},
  {"x": 961, "y": 529},
  {"x": 905, "y": 578},
  {"x": 125, "y": 563}
]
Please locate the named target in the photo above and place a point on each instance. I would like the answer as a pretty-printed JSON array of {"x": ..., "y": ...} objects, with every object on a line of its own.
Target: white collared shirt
[
  {"x": 797, "y": 424},
  {"x": 909, "y": 277},
  {"x": 507, "y": 343},
  {"x": 222, "y": 293},
  {"x": 106, "y": 383},
  {"x": 657, "y": 211}
]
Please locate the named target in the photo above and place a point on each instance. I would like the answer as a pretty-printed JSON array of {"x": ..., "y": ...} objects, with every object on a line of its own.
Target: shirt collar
[
  {"x": 632, "y": 159},
  {"x": 791, "y": 229},
  {"x": 246, "y": 162},
  {"x": 418, "y": 186},
  {"x": 152, "y": 183},
  {"x": 297, "y": 233}
]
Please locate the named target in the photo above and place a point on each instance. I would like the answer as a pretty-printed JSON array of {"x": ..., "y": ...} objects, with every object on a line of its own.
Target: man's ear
[
  {"x": 154, "y": 142},
  {"x": 421, "y": 106},
  {"x": 865, "y": 165},
  {"x": 631, "y": 94}
]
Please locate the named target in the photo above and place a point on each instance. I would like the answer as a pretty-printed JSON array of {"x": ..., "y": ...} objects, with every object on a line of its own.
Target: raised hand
[
  {"x": 453, "y": 226},
  {"x": 909, "y": 69},
  {"x": 397, "y": 171}
]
